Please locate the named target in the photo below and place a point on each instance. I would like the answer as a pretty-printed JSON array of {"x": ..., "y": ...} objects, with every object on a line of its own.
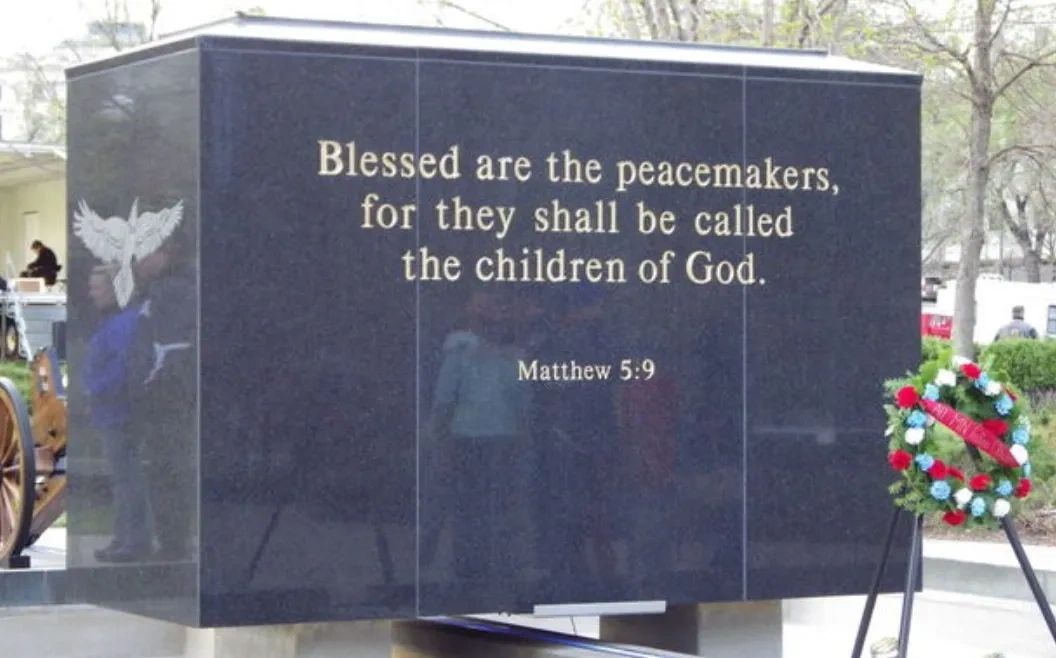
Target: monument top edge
[{"x": 320, "y": 32}]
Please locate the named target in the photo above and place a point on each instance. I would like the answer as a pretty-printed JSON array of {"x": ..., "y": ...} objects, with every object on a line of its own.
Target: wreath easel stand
[{"x": 914, "y": 570}]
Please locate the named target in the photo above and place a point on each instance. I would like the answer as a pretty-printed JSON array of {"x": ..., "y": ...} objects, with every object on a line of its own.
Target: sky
[{"x": 38, "y": 25}]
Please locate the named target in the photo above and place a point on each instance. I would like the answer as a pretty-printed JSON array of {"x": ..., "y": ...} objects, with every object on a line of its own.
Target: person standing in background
[{"x": 1017, "y": 328}]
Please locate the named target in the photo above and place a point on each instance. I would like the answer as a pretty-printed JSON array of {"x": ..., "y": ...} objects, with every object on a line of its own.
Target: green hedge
[
  {"x": 931, "y": 347},
  {"x": 1029, "y": 364}
]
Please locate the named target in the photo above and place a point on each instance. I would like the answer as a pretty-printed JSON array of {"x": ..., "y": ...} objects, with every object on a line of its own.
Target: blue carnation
[
  {"x": 940, "y": 490},
  {"x": 978, "y": 506},
  {"x": 917, "y": 418},
  {"x": 931, "y": 392},
  {"x": 1027, "y": 468},
  {"x": 1003, "y": 405},
  {"x": 982, "y": 381},
  {"x": 1004, "y": 488},
  {"x": 925, "y": 461},
  {"x": 1021, "y": 435}
]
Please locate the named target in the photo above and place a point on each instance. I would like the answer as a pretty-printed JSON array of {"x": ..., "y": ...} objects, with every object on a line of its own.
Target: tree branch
[
  {"x": 1032, "y": 63},
  {"x": 1021, "y": 148},
  {"x": 450, "y": 4},
  {"x": 1001, "y": 22},
  {"x": 959, "y": 56}
]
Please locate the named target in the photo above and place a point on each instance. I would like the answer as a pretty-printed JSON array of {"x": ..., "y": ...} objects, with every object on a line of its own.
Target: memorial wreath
[{"x": 958, "y": 438}]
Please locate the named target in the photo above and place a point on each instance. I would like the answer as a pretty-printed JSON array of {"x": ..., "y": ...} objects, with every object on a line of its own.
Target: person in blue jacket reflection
[{"x": 105, "y": 382}]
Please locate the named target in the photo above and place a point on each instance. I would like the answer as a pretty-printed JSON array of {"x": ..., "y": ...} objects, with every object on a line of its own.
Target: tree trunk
[
  {"x": 973, "y": 234},
  {"x": 1032, "y": 263},
  {"x": 768, "y": 23},
  {"x": 1019, "y": 227}
]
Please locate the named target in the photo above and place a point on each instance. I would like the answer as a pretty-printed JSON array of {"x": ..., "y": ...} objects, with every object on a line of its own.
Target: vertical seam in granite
[
  {"x": 417, "y": 349},
  {"x": 198, "y": 351},
  {"x": 744, "y": 353}
]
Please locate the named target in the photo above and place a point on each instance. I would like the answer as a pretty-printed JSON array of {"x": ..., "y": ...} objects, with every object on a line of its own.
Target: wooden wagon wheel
[
  {"x": 18, "y": 471},
  {"x": 48, "y": 397}
]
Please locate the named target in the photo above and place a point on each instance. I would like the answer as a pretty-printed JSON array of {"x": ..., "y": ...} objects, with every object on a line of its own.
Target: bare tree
[
  {"x": 113, "y": 26},
  {"x": 989, "y": 67},
  {"x": 124, "y": 27},
  {"x": 1022, "y": 182}
]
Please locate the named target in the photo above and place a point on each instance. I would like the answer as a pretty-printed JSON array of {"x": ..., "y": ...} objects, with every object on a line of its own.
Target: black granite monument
[{"x": 377, "y": 322}]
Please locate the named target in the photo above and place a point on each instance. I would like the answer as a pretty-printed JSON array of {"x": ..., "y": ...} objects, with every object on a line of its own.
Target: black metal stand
[{"x": 913, "y": 579}]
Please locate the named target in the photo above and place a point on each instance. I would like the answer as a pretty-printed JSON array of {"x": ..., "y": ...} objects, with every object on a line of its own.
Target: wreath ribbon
[{"x": 971, "y": 431}]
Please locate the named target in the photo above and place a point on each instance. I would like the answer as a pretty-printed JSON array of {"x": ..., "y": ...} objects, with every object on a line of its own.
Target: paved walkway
[
  {"x": 49, "y": 552},
  {"x": 998, "y": 553}
]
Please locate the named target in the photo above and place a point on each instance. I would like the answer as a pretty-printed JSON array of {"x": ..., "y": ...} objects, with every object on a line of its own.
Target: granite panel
[
  {"x": 581, "y": 490},
  {"x": 833, "y": 321},
  {"x": 308, "y": 474},
  {"x": 132, "y": 336}
]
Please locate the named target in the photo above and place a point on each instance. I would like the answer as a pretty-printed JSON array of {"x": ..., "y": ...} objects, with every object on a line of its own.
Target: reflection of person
[
  {"x": 161, "y": 378},
  {"x": 105, "y": 383},
  {"x": 575, "y": 425},
  {"x": 45, "y": 265},
  {"x": 646, "y": 440},
  {"x": 479, "y": 423},
  {"x": 1017, "y": 328}
]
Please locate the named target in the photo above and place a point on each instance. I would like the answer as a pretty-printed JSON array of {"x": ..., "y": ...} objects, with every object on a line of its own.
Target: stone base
[
  {"x": 716, "y": 630},
  {"x": 15, "y": 562}
]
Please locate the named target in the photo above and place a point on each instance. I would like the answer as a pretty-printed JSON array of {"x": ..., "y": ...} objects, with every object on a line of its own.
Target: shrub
[
  {"x": 1029, "y": 364},
  {"x": 931, "y": 348}
]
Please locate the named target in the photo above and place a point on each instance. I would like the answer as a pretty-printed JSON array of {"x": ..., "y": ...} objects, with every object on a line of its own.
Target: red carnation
[
  {"x": 956, "y": 517},
  {"x": 971, "y": 371},
  {"x": 906, "y": 397},
  {"x": 900, "y": 460},
  {"x": 980, "y": 482},
  {"x": 955, "y": 472},
  {"x": 938, "y": 470},
  {"x": 997, "y": 427},
  {"x": 1023, "y": 489}
]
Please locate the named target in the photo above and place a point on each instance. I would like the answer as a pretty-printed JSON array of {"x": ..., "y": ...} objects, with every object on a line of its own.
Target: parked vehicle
[{"x": 929, "y": 288}]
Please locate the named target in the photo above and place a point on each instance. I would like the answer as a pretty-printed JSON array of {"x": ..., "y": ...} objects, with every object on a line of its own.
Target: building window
[{"x": 1050, "y": 329}]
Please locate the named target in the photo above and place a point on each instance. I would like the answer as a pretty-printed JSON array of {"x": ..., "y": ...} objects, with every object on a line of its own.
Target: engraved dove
[{"x": 116, "y": 240}]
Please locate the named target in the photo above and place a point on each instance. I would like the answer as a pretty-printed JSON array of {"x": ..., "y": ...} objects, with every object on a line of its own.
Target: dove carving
[{"x": 116, "y": 240}]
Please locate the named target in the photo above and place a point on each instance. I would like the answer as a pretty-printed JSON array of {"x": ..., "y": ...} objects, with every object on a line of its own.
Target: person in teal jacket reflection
[{"x": 479, "y": 421}]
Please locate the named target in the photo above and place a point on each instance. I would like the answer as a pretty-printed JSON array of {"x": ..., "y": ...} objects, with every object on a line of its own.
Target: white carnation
[
  {"x": 994, "y": 389},
  {"x": 914, "y": 435},
  {"x": 1001, "y": 508},
  {"x": 959, "y": 361},
  {"x": 1020, "y": 454},
  {"x": 946, "y": 378},
  {"x": 963, "y": 496}
]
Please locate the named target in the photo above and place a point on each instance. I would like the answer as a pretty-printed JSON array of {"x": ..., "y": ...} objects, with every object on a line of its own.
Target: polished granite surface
[{"x": 318, "y": 437}]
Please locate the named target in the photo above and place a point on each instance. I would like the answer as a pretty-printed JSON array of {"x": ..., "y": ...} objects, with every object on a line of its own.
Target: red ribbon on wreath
[{"x": 971, "y": 431}]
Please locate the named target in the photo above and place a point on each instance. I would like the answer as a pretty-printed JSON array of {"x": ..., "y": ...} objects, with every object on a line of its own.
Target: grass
[
  {"x": 1037, "y": 518},
  {"x": 1040, "y": 508},
  {"x": 18, "y": 372}
]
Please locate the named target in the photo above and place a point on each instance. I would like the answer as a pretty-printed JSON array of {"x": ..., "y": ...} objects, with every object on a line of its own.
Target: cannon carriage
[{"x": 32, "y": 458}]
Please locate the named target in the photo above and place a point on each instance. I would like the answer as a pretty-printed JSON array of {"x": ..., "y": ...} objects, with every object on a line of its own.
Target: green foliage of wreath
[{"x": 939, "y": 472}]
